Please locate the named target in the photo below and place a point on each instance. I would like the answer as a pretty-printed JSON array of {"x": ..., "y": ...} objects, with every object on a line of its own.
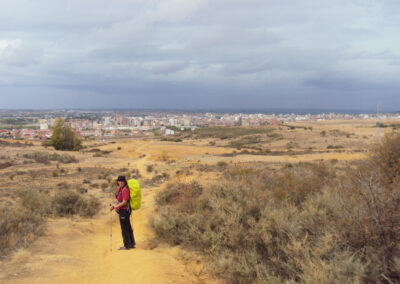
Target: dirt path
[{"x": 78, "y": 251}]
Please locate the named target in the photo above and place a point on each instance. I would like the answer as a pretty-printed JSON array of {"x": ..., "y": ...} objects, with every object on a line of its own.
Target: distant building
[{"x": 44, "y": 125}]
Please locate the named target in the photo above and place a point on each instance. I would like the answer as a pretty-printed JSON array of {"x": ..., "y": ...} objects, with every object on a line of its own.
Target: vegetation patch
[
  {"x": 5, "y": 165},
  {"x": 68, "y": 202},
  {"x": 244, "y": 142},
  {"x": 171, "y": 139},
  {"x": 98, "y": 151},
  {"x": 25, "y": 220},
  {"x": 45, "y": 158},
  {"x": 229, "y": 132},
  {"x": 337, "y": 132},
  {"x": 302, "y": 223},
  {"x": 22, "y": 224},
  {"x": 63, "y": 137}
]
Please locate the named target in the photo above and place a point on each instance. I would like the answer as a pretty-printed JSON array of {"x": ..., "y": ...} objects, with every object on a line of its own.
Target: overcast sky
[{"x": 194, "y": 54}]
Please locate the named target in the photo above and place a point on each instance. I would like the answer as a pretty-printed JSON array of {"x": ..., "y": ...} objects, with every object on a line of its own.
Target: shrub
[
  {"x": 244, "y": 142},
  {"x": 172, "y": 139},
  {"x": 157, "y": 179},
  {"x": 63, "y": 185},
  {"x": 334, "y": 147},
  {"x": 229, "y": 132},
  {"x": 18, "y": 227},
  {"x": 164, "y": 156},
  {"x": 45, "y": 158},
  {"x": 5, "y": 165},
  {"x": 67, "y": 202},
  {"x": 385, "y": 158},
  {"x": 181, "y": 193},
  {"x": 291, "y": 145},
  {"x": 136, "y": 173},
  {"x": 222, "y": 164},
  {"x": 21, "y": 225},
  {"x": 301, "y": 223}
]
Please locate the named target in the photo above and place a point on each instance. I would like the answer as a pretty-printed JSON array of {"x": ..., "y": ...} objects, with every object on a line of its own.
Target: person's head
[{"x": 121, "y": 180}]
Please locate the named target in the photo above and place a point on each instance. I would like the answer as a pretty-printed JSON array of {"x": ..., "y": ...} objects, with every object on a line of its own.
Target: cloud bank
[{"x": 193, "y": 54}]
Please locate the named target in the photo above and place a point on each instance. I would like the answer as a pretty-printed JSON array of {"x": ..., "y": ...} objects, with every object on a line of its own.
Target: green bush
[{"x": 63, "y": 137}]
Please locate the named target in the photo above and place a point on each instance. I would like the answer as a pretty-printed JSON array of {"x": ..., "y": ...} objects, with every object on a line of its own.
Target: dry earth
[{"x": 76, "y": 250}]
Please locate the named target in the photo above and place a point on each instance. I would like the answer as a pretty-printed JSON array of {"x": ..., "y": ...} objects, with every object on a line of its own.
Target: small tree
[{"x": 63, "y": 137}]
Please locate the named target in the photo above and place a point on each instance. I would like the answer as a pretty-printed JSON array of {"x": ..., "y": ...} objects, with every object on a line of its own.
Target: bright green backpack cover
[{"x": 135, "y": 197}]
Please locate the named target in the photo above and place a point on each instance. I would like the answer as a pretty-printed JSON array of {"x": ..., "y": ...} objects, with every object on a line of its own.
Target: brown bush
[
  {"x": 21, "y": 223},
  {"x": 385, "y": 159},
  {"x": 67, "y": 202},
  {"x": 301, "y": 223},
  {"x": 183, "y": 194},
  {"x": 5, "y": 165},
  {"x": 18, "y": 227},
  {"x": 45, "y": 158}
]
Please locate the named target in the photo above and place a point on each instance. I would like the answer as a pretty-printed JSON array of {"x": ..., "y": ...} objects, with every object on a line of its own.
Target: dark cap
[{"x": 121, "y": 178}]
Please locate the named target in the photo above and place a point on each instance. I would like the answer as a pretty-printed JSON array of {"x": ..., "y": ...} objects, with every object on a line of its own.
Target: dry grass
[
  {"x": 25, "y": 220},
  {"x": 307, "y": 223},
  {"x": 20, "y": 225},
  {"x": 68, "y": 202},
  {"x": 45, "y": 158}
]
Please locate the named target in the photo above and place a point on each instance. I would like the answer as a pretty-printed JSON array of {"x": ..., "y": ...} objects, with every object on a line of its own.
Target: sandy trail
[{"x": 78, "y": 251}]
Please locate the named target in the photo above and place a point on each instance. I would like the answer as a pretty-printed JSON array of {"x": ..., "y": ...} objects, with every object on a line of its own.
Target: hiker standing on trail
[{"x": 122, "y": 208}]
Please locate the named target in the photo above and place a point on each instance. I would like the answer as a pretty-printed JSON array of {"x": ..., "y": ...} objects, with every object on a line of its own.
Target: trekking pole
[{"x": 110, "y": 230}]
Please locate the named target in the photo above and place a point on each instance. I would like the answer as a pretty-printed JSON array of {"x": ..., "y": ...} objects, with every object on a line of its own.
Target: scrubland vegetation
[
  {"x": 23, "y": 221},
  {"x": 255, "y": 214},
  {"x": 305, "y": 222},
  {"x": 229, "y": 132},
  {"x": 45, "y": 158}
]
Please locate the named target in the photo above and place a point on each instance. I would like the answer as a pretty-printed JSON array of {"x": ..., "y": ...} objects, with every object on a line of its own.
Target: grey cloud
[
  {"x": 336, "y": 82},
  {"x": 185, "y": 52},
  {"x": 19, "y": 53}
]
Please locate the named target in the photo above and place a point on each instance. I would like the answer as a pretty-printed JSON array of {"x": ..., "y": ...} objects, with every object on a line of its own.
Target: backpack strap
[{"x": 129, "y": 200}]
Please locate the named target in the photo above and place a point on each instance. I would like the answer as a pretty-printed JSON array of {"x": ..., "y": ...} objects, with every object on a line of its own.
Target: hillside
[{"x": 76, "y": 247}]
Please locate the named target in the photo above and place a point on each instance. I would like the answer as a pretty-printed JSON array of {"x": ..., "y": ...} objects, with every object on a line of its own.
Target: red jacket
[{"x": 123, "y": 194}]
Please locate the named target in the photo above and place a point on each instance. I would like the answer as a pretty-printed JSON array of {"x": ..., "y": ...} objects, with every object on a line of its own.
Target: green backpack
[{"x": 135, "y": 197}]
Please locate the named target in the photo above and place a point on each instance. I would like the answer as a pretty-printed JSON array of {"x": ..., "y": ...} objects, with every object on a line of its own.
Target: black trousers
[{"x": 126, "y": 228}]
